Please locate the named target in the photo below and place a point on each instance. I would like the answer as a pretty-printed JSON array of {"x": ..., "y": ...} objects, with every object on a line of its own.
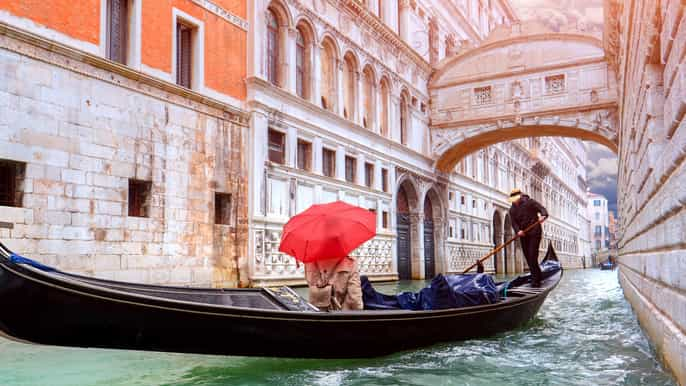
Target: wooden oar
[{"x": 497, "y": 249}]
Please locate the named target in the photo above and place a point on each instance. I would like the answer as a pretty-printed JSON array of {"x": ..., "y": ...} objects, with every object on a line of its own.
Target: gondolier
[{"x": 524, "y": 212}]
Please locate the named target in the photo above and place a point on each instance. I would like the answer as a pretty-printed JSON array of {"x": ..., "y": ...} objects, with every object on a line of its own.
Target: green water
[{"x": 585, "y": 334}]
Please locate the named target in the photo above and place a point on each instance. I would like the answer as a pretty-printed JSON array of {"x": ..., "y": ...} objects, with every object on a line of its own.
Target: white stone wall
[
  {"x": 83, "y": 131},
  {"x": 652, "y": 168}
]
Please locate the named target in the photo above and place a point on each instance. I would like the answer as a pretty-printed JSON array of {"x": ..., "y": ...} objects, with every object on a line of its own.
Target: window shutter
[
  {"x": 118, "y": 15},
  {"x": 183, "y": 55}
]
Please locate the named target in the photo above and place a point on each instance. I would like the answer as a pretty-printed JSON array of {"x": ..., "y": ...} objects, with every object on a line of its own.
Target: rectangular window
[
  {"x": 222, "y": 208},
  {"x": 328, "y": 162},
  {"x": 462, "y": 235},
  {"x": 462, "y": 200},
  {"x": 11, "y": 180},
  {"x": 384, "y": 220},
  {"x": 473, "y": 203},
  {"x": 596, "y": 202},
  {"x": 117, "y": 30},
  {"x": 597, "y": 216},
  {"x": 450, "y": 196},
  {"x": 350, "y": 168},
  {"x": 139, "y": 198},
  {"x": 598, "y": 230},
  {"x": 482, "y": 95},
  {"x": 304, "y": 155},
  {"x": 384, "y": 180},
  {"x": 184, "y": 54},
  {"x": 451, "y": 231},
  {"x": 277, "y": 146},
  {"x": 369, "y": 174},
  {"x": 555, "y": 84}
]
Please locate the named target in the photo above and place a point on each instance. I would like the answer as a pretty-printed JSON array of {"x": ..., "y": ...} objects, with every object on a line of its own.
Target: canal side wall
[
  {"x": 79, "y": 128},
  {"x": 652, "y": 168}
]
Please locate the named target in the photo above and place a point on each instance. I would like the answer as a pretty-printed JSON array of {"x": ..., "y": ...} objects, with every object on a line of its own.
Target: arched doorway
[
  {"x": 429, "y": 240},
  {"x": 497, "y": 240},
  {"x": 509, "y": 251},
  {"x": 404, "y": 239}
]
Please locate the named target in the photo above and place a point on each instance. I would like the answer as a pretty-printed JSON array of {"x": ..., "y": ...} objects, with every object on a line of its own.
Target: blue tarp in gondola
[{"x": 451, "y": 291}]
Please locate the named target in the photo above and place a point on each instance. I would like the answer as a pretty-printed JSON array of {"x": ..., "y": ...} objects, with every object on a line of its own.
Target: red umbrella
[{"x": 327, "y": 231}]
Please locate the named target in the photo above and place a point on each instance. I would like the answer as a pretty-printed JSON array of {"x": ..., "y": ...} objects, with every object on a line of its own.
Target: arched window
[
  {"x": 303, "y": 60},
  {"x": 385, "y": 101},
  {"x": 349, "y": 86},
  {"x": 272, "y": 48},
  {"x": 369, "y": 95},
  {"x": 300, "y": 64},
  {"x": 326, "y": 87},
  {"x": 404, "y": 117}
]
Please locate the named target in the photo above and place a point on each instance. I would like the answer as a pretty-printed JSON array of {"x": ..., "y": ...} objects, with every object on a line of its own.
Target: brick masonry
[{"x": 83, "y": 132}]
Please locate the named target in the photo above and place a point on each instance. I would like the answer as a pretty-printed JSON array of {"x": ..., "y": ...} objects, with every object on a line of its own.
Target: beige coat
[{"x": 334, "y": 284}]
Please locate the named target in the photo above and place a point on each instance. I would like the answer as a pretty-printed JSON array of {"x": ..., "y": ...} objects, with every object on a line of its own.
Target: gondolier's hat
[{"x": 515, "y": 195}]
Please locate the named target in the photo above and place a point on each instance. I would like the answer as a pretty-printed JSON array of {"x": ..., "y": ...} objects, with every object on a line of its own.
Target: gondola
[{"x": 41, "y": 305}]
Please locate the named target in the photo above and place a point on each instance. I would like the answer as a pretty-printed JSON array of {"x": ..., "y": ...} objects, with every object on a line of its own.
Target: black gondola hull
[{"x": 47, "y": 309}]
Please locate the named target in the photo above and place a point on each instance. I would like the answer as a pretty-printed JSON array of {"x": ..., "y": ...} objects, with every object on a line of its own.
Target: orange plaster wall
[
  {"x": 225, "y": 44},
  {"x": 79, "y": 19}
]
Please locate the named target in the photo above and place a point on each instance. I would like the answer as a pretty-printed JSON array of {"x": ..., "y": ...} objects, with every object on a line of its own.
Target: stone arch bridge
[{"x": 522, "y": 82}]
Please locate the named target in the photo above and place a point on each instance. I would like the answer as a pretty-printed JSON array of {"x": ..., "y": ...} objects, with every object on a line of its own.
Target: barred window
[
  {"x": 554, "y": 84},
  {"x": 483, "y": 95}
]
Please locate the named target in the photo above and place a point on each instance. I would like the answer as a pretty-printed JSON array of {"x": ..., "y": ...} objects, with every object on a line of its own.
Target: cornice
[
  {"x": 262, "y": 85},
  {"x": 228, "y": 112},
  {"x": 527, "y": 71},
  {"x": 373, "y": 22},
  {"x": 448, "y": 63},
  {"x": 558, "y": 111},
  {"x": 386, "y": 33}
]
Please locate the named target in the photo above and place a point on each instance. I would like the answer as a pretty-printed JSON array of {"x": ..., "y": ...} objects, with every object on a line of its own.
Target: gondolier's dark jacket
[{"x": 526, "y": 213}]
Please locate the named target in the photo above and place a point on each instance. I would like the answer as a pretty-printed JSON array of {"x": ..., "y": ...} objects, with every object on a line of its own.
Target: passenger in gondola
[
  {"x": 524, "y": 212},
  {"x": 334, "y": 284}
]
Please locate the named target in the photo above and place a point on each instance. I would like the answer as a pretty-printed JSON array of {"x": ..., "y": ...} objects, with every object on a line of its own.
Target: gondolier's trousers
[{"x": 530, "y": 244}]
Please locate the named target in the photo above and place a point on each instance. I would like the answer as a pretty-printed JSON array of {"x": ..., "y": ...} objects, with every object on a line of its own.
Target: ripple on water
[{"x": 585, "y": 333}]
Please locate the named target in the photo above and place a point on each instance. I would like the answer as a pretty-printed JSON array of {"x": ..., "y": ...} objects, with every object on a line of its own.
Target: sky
[{"x": 588, "y": 15}]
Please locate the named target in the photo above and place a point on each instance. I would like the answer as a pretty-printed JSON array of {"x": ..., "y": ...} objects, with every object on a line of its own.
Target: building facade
[
  {"x": 645, "y": 41},
  {"x": 122, "y": 137},
  {"x": 599, "y": 216},
  {"x": 339, "y": 103},
  {"x": 169, "y": 142}
]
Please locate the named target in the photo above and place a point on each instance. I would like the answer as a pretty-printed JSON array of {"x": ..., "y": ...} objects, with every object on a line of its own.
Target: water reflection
[{"x": 584, "y": 334}]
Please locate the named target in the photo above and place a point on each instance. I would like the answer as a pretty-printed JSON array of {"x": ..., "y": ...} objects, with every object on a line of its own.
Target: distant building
[{"x": 598, "y": 215}]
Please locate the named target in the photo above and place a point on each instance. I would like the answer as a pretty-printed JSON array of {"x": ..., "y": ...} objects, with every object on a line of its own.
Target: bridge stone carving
[{"x": 522, "y": 82}]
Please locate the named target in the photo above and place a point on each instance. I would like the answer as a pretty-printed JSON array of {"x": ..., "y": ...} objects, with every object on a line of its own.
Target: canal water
[{"x": 585, "y": 334}]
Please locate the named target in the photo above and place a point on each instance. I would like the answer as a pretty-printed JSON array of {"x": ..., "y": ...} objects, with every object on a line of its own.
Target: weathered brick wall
[
  {"x": 652, "y": 172},
  {"x": 83, "y": 130}
]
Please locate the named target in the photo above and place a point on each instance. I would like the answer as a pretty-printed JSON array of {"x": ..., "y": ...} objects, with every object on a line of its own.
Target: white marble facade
[{"x": 339, "y": 91}]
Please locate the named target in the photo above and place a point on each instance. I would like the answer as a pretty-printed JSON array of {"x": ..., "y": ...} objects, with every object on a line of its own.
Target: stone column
[
  {"x": 290, "y": 68},
  {"x": 390, "y": 10},
  {"x": 358, "y": 101},
  {"x": 360, "y": 170},
  {"x": 374, "y": 7},
  {"x": 340, "y": 96},
  {"x": 377, "y": 175},
  {"x": 340, "y": 162},
  {"x": 315, "y": 86},
  {"x": 417, "y": 237},
  {"x": 317, "y": 155},
  {"x": 284, "y": 74},
  {"x": 291, "y": 147},
  {"x": 404, "y": 20},
  {"x": 394, "y": 119}
]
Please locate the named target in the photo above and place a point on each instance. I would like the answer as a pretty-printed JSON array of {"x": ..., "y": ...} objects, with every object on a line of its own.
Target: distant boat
[{"x": 39, "y": 304}]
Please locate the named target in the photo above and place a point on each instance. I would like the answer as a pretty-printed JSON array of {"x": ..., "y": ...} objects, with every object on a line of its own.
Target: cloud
[{"x": 603, "y": 167}]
